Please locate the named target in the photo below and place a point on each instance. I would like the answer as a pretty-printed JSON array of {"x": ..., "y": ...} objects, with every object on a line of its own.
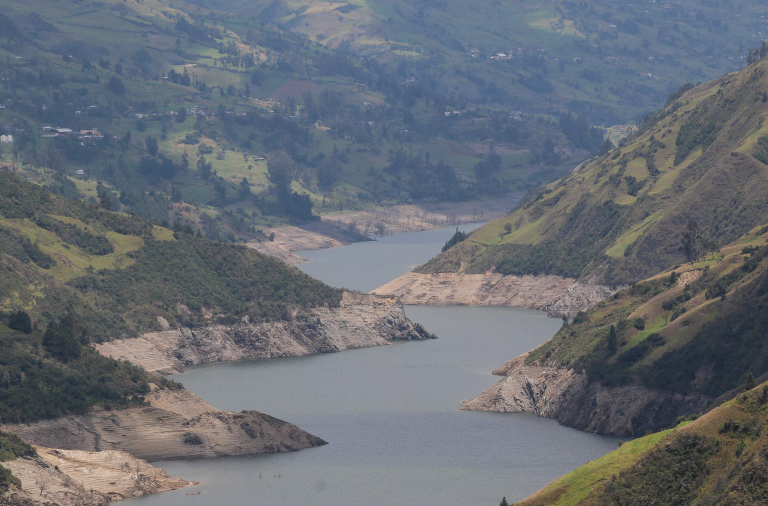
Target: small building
[
  {"x": 63, "y": 131},
  {"x": 80, "y": 172},
  {"x": 6, "y": 139}
]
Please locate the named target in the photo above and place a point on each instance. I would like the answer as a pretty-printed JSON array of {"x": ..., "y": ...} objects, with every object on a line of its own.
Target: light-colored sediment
[
  {"x": 360, "y": 321},
  {"x": 175, "y": 425},
  {"x": 556, "y": 295},
  {"x": 420, "y": 217},
  {"x": 341, "y": 229},
  {"x": 276, "y": 250},
  {"x": 80, "y": 478},
  {"x": 569, "y": 397}
]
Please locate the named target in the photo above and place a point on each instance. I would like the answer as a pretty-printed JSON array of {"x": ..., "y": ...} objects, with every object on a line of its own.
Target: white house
[{"x": 6, "y": 139}]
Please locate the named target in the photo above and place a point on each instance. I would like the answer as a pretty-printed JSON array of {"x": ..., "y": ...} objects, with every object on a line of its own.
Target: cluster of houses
[
  {"x": 49, "y": 132},
  {"x": 512, "y": 53}
]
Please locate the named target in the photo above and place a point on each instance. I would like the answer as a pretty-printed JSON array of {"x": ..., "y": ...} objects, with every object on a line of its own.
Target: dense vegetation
[
  {"x": 138, "y": 273},
  {"x": 46, "y": 374},
  {"x": 618, "y": 218}
]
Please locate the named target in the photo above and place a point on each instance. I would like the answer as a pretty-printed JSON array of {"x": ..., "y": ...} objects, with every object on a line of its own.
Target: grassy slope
[
  {"x": 701, "y": 334},
  {"x": 708, "y": 459},
  {"x": 588, "y": 225},
  {"x": 150, "y": 273}
]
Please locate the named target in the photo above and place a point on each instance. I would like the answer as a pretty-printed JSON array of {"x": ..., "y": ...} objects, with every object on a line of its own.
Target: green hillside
[
  {"x": 75, "y": 274},
  {"x": 119, "y": 272},
  {"x": 620, "y": 217},
  {"x": 223, "y": 123},
  {"x": 698, "y": 329},
  {"x": 717, "y": 459}
]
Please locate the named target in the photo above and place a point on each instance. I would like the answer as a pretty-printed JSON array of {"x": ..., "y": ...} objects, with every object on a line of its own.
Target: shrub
[
  {"x": 639, "y": 324},
  {"x": 20, "y": 321}
]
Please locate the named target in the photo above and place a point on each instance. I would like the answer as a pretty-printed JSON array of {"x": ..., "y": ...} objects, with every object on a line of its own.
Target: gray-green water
[{"x": 389, "y": 413}]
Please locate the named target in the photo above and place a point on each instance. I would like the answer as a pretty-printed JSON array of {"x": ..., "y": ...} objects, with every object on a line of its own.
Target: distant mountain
[{"x": 620, "y": 217}]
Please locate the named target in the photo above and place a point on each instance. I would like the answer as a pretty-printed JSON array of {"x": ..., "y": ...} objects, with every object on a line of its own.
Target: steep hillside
[
  {"x": 668, "y": 346},
  {"x": 720, "y": 458},
  {"x": 620, "y": 217}
]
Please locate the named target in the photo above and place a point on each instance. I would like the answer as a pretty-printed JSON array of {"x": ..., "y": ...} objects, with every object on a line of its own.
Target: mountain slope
[
  {"x": 619, "y": 217},
  {"x": 76, "y": 275},
  {"x": 720, "y": 458},
  {"x": 665, "y": 347}
]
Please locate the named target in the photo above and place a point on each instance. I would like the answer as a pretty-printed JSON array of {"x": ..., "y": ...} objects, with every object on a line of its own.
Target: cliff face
[
  {"x": 361, "y": 321},
  {"x": 79, "y": 478},
  {"x": 569, "y": 397},
  {"x": 175, "y": 425},
  {"x": 557, "y": 295}
]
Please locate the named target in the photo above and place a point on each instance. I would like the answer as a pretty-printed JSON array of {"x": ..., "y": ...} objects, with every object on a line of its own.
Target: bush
[
  {"x": 116, "y": 86},
  {"x": 639, "y": 324}
]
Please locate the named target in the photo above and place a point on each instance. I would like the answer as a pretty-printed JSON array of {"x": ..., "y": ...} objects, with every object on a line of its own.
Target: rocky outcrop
[
  {"x": 557, "y": 295},
  {"x": 571, "y": 399},
  {"x": 79, "y": 478},
  {"x": 360, "y": 321},
  {"x": 175, "y": 424}
]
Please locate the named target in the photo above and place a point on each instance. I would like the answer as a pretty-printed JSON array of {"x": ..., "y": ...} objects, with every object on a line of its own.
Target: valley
[{"x": 457, "y": 249}]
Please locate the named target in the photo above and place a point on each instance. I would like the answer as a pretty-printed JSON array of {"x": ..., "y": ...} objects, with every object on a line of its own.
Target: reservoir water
[{"x": 390, "y": 414}]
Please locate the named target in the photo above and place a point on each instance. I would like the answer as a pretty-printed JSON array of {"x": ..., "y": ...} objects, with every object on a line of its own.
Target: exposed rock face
[
  {"x": 361, "y": 321},
  {"x": 79, "y": 478},
  {"x": 557, "y": 295},
  {"x": 177, "y": 424},
  {"x": 572, "y": 400}
]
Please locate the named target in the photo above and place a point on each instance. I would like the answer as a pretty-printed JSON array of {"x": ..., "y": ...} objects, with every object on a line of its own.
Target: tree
[
  {"x": 105, "y": 201},
  {"x": 20, "y": 321},
  {"x": 751, "y": 383},
  {"x": 504, "y": 502},
  {"x": 508, "y": 228},
  {"x": 612, "y": 341},
  {"x": 245, "y": 188},
  {"x": 118, "y": 69},
  {"x": 59, "y": 340},
  {"x": 181, "y": 115},
  {"x": 115, "y": 85},
  {"x": 691, "y": 242},
  {"x": 151, "y": 143},
  {"x": 204, "y": 168}
]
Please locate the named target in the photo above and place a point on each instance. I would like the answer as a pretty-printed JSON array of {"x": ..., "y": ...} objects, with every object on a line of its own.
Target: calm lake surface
[{"x": 390, "y": 414}]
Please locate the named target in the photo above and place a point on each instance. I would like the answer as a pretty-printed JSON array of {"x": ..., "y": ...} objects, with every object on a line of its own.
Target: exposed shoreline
[
  {"x": 175, "y": 424},
  {"x": 571, "y": 399},
  {"x": 344, "y": 228},
  {"x": 81, "y": 478},
  {"x": 556, "y": 295},
  {"x": 361, "y": 321}
]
